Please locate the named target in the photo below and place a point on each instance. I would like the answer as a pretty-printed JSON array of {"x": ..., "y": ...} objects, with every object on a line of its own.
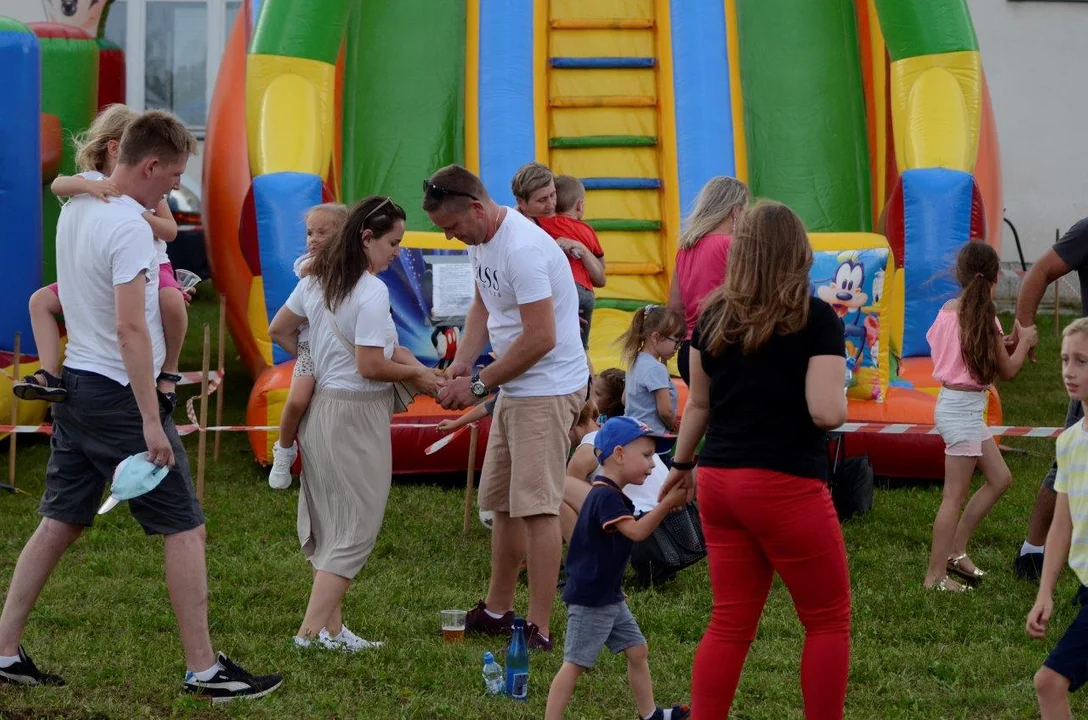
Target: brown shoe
[
  {"x": 535, "y": 640},
  {"x": 478, "y": 622}
]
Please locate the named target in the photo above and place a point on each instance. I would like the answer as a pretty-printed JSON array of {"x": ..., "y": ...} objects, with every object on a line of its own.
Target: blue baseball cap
[
  {"x": 134, "y": 476},
  {"x": 619, "y": 431}
]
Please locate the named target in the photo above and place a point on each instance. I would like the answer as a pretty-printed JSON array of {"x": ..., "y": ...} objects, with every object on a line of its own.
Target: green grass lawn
[{"x": 104, "y": 620}]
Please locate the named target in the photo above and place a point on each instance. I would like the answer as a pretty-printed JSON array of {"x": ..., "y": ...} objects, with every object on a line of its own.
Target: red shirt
[
  {"x": 698, "y": 271},
  {"x": 565, "y": 226}
]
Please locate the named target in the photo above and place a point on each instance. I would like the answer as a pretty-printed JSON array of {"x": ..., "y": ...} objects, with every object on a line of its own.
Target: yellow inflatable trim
[
  {"x": 630, "y": 247},
  {"x": 600, "y": 43},
  {"x": 637, "y": 162},
  {"x": 647, "y": 288},
  {"x": 617, "y": 9},
  {"x": 625, "y": 204},
  {"x": 258, "y": 319},
  {"x": 578, "y": 122},
  {"x": 289, "y": 114},
  {"x": 583, "y": 83},
  {"x": 936, "y": 110}
]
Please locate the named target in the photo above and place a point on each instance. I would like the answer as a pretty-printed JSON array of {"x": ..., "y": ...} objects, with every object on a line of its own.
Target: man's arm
[
  {"x": 536, "y": 340},
  {"x": 134, "y": 340},
  {"x": 1047, "y": 269},
  {"x": 473, "y": 338}
]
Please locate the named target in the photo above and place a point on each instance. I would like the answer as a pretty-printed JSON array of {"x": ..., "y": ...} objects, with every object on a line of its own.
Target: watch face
[{"x": 479, "y": 389}]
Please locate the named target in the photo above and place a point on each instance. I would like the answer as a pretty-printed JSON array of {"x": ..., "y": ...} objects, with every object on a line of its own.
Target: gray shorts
[
  {"x": 591, "y": 628},
  {"x": 97, "y": 427},
  {"x": 1074, "y": 414}
]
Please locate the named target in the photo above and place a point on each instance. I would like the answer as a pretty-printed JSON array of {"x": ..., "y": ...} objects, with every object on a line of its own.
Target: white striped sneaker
[
  {"x": 232, "y": 682},
  {"x": 346, "y": 641}
]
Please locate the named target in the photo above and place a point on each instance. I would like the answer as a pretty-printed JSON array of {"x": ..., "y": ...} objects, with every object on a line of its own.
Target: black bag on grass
[
  {"x": 676, "y": 543},
  {"x": 852, "y": 487}
]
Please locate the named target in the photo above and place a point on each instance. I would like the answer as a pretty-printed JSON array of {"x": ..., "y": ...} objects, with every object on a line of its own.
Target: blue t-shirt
[
  {"x": 647, "y": 376},
  {"x": 598, "y": 554}
]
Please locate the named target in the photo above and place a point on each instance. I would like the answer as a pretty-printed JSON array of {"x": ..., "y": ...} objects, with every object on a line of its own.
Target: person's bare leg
[
  {"x": 574, "y": 496},
  {"x": 545, "y": 544},
  {"x": 957, "y": 483},
  {"x": 187, "y": 585},
  {"x": 508, "y": 543},
  {"x": 638, "y": 677},
  {"x": 562, "y": 689},
  {"x": 36, "y": 562},
  {"x": 335, "y": 623},
  {"x": 325, "y": 598},
  {"x": 175, "y": 321},
  {"x": 1052, "y": 691},
  {"x": 44, "y": 308},
  {"x": 1041, "y": 515},
  {"x": 298, "y": 399},
  {"x": 998, "y": 479}
]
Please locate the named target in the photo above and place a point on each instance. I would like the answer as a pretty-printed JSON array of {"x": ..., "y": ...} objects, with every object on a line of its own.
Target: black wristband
[{"x": 677, "y": 465}]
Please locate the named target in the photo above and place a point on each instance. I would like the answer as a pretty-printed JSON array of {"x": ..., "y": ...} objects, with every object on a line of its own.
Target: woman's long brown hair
[
  {"x": 339, "y": 263},
  {"x": 977, "y": 266},
  {"x": 767, "y": 287}
]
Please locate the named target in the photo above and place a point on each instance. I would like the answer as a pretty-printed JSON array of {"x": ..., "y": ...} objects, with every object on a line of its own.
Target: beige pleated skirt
[{"x": 347, "y": 464}]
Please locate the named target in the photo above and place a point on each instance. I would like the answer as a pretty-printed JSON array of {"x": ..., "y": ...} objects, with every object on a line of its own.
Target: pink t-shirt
[
  {"x": 947, "y": 352},
  {"x": 698, "y": 271}
]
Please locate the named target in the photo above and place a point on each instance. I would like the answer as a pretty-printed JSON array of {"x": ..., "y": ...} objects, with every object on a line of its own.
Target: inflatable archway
[
  {"x": 54, "y": 77},
  {"x": 869, "y": 117}
]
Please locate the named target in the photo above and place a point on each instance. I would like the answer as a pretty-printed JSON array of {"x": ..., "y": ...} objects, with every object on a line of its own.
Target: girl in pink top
[
  {"x": 702, "y": 252},
  {"x": 969, "y": 354}
]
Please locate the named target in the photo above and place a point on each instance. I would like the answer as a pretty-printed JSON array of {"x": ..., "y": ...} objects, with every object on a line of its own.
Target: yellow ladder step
[
  {"x": 631, "y": 268},
  {"x": 599, "y": 101},
  {"x": 602, "y": 24}
]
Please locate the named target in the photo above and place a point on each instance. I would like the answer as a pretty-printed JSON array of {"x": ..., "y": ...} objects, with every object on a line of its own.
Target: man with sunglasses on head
[{"x": 527, "y": 306}]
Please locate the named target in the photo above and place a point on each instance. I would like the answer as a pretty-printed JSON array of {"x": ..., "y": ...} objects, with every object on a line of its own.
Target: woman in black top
[{"x": 767, "y": 369}]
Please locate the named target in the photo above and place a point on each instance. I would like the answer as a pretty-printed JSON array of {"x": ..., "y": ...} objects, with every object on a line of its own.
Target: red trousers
[{"x": 757, "y": 523}]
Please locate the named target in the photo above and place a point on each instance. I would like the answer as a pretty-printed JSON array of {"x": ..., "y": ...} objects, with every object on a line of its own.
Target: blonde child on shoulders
[
  {"x": 969, "y": 354},
  {"x": 323, "y": 222},
  {"x": 96, "y": 156},
  {"x": 652, "y": 339}
]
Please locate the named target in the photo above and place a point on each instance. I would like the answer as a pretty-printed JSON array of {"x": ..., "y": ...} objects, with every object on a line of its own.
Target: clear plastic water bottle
[
  {"x": 517, "y": 663},
  {"x": 494, "y": 681}
]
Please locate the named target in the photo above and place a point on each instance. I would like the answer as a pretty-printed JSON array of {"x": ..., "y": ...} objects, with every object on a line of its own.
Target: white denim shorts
[{"x": 960, "y": 417}]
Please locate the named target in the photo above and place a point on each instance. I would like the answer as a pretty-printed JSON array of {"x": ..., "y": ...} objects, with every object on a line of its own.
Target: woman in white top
[{"x": 345, "y": 435}]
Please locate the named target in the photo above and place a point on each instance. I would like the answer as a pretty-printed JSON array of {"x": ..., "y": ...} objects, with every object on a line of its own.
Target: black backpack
[{"x": 851, "y": 482}]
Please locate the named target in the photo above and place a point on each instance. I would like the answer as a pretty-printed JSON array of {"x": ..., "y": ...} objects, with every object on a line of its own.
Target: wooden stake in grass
[
  {"x": 470, "y": 476},
  {"x": 202, "y": 444},
  {"x": 221, "y": 349},
  {"x": 14, "y": 413}
]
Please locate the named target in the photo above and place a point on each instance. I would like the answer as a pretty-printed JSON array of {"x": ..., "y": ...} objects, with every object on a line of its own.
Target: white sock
[
  {"x": 492, "y": 615},
  {"x": 8, "y": 660},
  {"x": 208, "y": 674},
  {"x": 1029, "y": 548}
]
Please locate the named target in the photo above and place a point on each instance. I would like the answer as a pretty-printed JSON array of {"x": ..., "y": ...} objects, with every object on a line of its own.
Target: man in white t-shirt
[
  {"x": 108, "y": 279},
  {"x": 527, "y": 305}
]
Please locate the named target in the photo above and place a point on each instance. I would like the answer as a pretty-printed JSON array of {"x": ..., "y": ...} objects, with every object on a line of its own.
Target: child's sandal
[
  {"x": 42, "y": 385},
  {"x": 973, "y": 577},
  {"x": 946, "y": 585}
]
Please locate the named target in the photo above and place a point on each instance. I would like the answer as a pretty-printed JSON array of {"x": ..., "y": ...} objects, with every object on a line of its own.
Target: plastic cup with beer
[{"x": 453, "y": 626}]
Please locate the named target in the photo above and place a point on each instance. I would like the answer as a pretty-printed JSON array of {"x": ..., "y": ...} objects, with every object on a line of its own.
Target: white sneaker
[
  {"x": 301, "y": 642},
  {"x": 282, "y": 460},
  {"x": 346, "y": 641}
]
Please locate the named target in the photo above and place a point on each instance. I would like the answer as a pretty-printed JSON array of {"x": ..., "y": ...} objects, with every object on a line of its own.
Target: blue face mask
[{"x": 134, "y": 476}]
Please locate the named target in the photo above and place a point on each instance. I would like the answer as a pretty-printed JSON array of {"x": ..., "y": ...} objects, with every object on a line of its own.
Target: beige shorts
[{"x": 526, "y": 459}]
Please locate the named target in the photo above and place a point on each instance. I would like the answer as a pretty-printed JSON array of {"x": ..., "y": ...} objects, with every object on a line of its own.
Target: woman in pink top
[
  {"x": 969, "y": 354},
  {"x": 703, "y": 251}
]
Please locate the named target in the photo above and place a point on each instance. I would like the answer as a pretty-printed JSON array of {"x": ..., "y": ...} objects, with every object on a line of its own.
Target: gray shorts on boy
[{"x": 591, "y": 628}]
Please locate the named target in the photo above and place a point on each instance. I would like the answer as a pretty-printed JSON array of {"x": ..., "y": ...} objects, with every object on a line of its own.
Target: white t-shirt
[
  {"x": 101, "y": 245},
  {"x": 363, "y": 318},
  {"x": 161, "y": 258},
  {"x": 521, "y": 264},
  {"x": 304, "y": 331},
  {"x": 644, "y": 496}
]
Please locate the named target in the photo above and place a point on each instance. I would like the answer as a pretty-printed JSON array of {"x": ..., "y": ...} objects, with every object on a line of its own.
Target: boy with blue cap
[{"x": 600, "y": 548}]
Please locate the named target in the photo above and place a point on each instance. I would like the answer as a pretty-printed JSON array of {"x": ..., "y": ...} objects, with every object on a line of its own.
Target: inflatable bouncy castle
[
  {"x": 869, "y": 117},
  {"x": 55, "y": 77}
]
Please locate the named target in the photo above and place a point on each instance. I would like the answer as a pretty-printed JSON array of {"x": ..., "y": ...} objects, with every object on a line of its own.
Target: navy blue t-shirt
[{"x": 598, "y": 554}]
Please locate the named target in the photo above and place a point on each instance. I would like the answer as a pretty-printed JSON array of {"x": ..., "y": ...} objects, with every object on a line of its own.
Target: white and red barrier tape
[
  {"x": 215, "y": 379},
  {"x": 871, "y": 428}
]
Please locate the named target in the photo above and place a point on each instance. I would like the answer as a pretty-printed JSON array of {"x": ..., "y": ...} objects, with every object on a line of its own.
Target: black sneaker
[
  {"x": 1029, "y": 567},
  {"x": 231, "y": 683},
  {"x": 24, "y": 672}
]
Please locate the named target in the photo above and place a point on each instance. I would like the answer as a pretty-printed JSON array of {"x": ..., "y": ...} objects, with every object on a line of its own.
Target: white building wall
[{"x": 1036, "y": 61}]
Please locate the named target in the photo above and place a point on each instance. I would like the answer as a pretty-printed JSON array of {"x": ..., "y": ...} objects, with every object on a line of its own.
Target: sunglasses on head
[
  {"x": 378, "y": 207},
  {"x": 438, "y": 192}
]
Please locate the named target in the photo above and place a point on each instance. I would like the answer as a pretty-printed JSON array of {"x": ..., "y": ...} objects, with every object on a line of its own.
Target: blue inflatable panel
[
  {"x": 506, "y": 119},
  {"x": 604, "y": 63},
  {"x": 936, "y": 222},
  {"x": 621, "y": 183},
  {"x": 280, "y": 201},
  {"x": 20, "y": 185},
  {"x": 700, "y": 77}
]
